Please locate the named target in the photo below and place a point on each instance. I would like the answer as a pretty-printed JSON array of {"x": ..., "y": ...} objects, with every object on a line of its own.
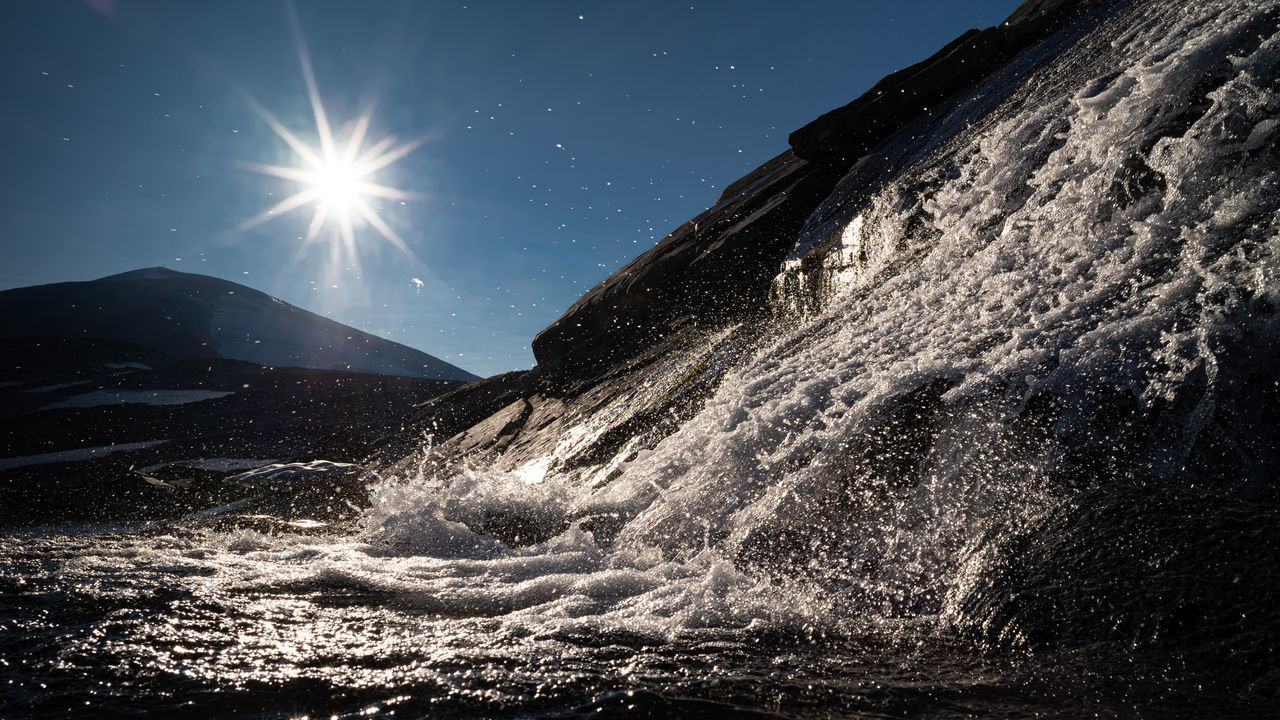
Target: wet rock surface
[{"x": 716, "y": 273}]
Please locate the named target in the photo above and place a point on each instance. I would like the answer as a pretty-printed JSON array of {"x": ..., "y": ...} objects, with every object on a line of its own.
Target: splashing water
[{"x": 1102, "y": 242}]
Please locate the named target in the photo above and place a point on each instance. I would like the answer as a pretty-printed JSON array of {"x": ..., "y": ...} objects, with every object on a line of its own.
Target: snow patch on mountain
[
  {"x": 216, "y": 464},
  {"x": 76, "y": 455},
  {"x": 137, "y": 397},
  {"x": 57, "y": 386}
]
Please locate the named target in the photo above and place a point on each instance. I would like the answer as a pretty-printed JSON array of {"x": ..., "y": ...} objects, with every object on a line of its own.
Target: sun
[
  {"x": 337, "y": 178},
  {"x": 338, "y": 185}
]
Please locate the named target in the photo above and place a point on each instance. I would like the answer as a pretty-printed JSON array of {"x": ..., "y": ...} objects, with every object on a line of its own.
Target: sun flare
[
  {"x": 336, "y": 179},
  {"x": 338, "y": 185}
]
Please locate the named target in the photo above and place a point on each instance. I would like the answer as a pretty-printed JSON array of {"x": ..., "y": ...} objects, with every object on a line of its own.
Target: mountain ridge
[{"x": 193, "y": 315}]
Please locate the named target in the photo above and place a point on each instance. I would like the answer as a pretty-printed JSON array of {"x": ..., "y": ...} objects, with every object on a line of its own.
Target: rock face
[
  {"x": 188, "y": 315},
  {"x": 1014, "y": 374},
  {"x": 679, "y": 315},
  {"x": 847, "y": 133},
  {"x": 712, "y": 269},
  {"x": 718, "y": 267}
]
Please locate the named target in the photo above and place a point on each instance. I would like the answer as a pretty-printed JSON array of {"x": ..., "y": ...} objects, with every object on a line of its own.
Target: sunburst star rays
[{"x": 336, "y": 178}]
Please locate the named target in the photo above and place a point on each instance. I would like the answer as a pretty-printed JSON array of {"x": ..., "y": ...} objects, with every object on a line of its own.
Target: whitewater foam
[{"x": 1084, "y": 236}]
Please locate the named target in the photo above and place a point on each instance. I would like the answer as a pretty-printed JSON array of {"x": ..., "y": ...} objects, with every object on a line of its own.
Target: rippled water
[{"x": 111, "y": 621}]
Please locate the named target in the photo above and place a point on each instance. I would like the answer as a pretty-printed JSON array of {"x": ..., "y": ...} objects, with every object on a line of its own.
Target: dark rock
[
  {"x": 713, "y": 269},
  {"x": 839, "y": 137},
  {"x": 657, "y": 322},
  {"x": 495, "y": 432},
  {"x": 455, "y": 411}
]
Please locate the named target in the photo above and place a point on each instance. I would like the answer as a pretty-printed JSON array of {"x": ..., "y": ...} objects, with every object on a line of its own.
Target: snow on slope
[
  {"x": 76, "y": 455},
  {"x": 99, "y": 398}
]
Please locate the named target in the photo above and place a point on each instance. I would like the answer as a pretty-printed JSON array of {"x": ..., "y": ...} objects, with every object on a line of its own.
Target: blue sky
[{"x": 558, "y": 140}]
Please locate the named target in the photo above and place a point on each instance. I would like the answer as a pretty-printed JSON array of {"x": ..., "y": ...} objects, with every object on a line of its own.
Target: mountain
[
  {"x": 134, "y": 396},
  {"x": 189, "y": 315}
]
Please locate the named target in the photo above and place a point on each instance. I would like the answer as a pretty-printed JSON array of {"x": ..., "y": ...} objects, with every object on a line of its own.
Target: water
[
  {"x": 113, "y": 621},
  {"x": 281, "y": 626},
  {"x": 1011, "y": 453}
]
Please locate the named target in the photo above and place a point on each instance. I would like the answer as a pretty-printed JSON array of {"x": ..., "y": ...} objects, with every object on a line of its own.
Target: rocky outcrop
[
  {"x": 717, "y": 268},
  {"x": 712, "y": 269},
  {"x": 841, "y": 136},
  {"x": 589, "y": 426},
  {"x": 455, "y": 411},
  {"x": 641, "y": 351}
]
